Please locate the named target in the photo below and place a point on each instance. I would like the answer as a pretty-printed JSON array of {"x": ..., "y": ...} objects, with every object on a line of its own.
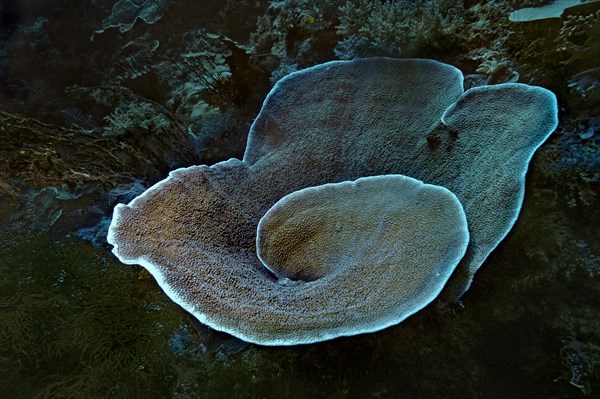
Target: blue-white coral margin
[
  {"x": 204, "y": 319},
  {"x": 554, "y": 125}
]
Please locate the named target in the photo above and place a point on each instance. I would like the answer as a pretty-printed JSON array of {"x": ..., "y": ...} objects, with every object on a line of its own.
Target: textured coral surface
[{"x": 195, "y": 231}]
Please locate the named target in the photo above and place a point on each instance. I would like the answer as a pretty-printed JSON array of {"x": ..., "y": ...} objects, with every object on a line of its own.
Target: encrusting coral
[{"x": 196, "y": 231}]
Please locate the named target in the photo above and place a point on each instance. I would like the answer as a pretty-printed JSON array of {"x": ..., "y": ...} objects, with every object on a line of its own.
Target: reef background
[{"x": 100, "y": 99}]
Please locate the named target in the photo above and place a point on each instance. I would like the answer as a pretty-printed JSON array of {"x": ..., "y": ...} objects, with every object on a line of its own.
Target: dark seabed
[{"x": 101, "y": 99}]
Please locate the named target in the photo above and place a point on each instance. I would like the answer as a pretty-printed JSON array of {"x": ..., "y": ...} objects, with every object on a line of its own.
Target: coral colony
[{"x": 368, "y": 188}]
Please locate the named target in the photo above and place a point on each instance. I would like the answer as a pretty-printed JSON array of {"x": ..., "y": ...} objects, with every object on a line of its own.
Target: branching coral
[
  {"x": 136, "y": 116},
  {"x": 295, "y": 34},
  {"x": 580, "y": 37},
  {"x": 397, "y": 28}
]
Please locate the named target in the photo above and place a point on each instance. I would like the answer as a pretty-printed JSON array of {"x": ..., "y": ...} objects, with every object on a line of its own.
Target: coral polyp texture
[
  {"x": 389, "y": 228},
  {"x": 350, "y": 191}
]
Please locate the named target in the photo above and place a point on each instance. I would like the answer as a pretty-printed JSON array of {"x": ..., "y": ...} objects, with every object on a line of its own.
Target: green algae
[{"x": 76, "y": 324}]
